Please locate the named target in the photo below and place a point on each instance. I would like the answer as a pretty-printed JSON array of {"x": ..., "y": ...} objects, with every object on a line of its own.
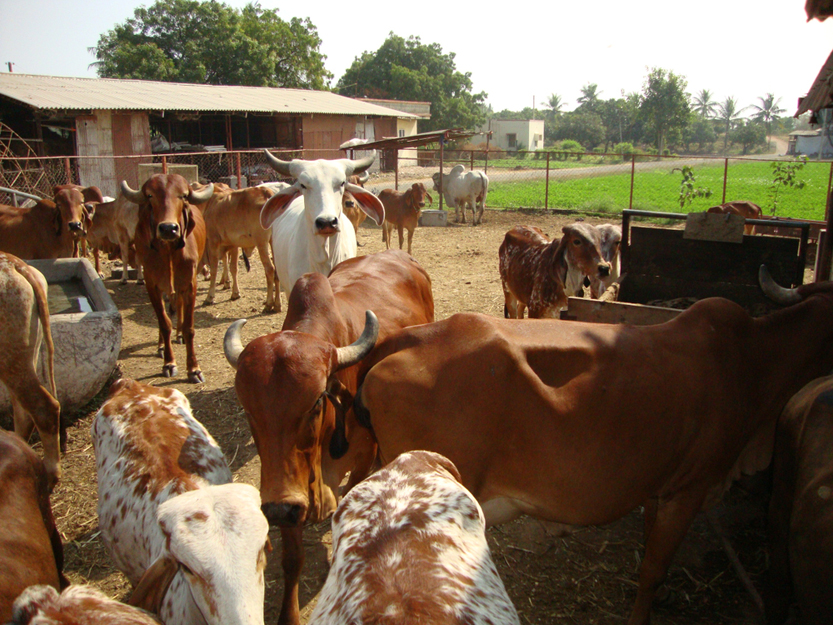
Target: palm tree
[
  {"x": 768, "y": 111},
  {"x": 589, "y": 98},
  {"x": 729, "y": 114},
  {"x": 704, "y": 105},
  {"x": 555, "y": 103}
]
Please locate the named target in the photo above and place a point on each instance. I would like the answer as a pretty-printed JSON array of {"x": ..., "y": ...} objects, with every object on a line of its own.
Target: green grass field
[{"x": 658, "y": 190}]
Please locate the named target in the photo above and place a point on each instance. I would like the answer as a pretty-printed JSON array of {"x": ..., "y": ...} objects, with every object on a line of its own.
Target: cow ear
[
  {"x": 368, "y": 202},
  {"x": 151, "y": 589},
  {"x": 89, "y": 209},
  {"x": 277, "y": 204},
  {"x": 342, "y": 400},
  {"x": 58, "y": 221},
  {"x": 92, "y": 194}
]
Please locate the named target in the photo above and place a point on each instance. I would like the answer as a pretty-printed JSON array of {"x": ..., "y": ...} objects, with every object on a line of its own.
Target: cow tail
[
  {"x": 43, "y": 316},
  {"x": 246, "y": 261}
]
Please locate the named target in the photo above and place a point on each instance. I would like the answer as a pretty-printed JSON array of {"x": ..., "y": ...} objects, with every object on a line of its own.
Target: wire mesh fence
[{"x": 581, "y": 181}]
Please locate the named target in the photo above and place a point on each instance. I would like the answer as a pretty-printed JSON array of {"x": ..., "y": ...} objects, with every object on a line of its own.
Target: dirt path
[{"x": 589, "y": 577}]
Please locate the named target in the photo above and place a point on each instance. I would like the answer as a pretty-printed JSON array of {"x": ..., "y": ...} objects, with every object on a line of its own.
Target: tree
[
  {"x": 729, "y": 115},
  {"x": 704, "y": 105},
  {"x": 768, "y": 112},
  {"x": 664, "y": 104},
  {"x": 407, "y": 69},
  {"x": 700, "y": 131},
  {"x": 582, "y": 126},
  {"x": 589, "y": 99},
  {"x": 554, "y": 104},
  {"x": 211, "y": 42},
  {"x": 749, "y": 134}
]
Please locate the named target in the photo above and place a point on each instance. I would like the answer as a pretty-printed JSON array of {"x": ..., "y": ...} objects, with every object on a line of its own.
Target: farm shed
[
  {"x": 405, "y": 126},
  {"x": 108, "y": 117},
  {"x": 514, "y": 134}
]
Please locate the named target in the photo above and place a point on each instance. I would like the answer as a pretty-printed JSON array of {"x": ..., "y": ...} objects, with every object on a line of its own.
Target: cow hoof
[
  {"x": 269, "y": 309},
  {"x": 179, "y": 340},
  {"x": 359, "y": 244},
  {"x": 169, "y": 371},
  {"x": 209, "y": 301},
  {"x": 235, "y": 296},
  {"x": 140, "y": 282},
  {"x": 196, "y": 377},
  {"x": 160, "y": 352}
]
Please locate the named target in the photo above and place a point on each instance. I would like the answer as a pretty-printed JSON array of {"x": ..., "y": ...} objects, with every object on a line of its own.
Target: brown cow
[
  {"x": 284, "y": 379},
  {"x": 539, "y": 274},
  {"x": 77, "y": 605},
  {"x": 800, "y": 511},
  {"x": 51, "y": 228},
  {"x": 30, "y": 546},
  {"x": 580, "y": 423},
  {"x": 25, "y": 315},
  {"x": 747, "y": 210},
  {"x": 402, "y": 209},
  {"x": 112, "y": 231},
  {"x": 170, "y": 240},
  {"x": 232, "y": 220}
]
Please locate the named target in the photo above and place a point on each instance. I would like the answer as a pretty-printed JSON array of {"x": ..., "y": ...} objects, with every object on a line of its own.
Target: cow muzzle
[
  {"x": 604, "y": 270},
  {"x": 283, "y": 514},
  {"x": 167, "y": 231},
  {"x": 326, "y": 226},
  {"x": 76, "y": 228}
]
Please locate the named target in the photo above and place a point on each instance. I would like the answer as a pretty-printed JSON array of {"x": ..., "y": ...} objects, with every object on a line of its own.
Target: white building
[{"x": 513, "y": 134}]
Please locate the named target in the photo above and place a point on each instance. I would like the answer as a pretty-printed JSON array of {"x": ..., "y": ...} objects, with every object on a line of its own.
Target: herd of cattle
[{"x": 442, "y": 427}]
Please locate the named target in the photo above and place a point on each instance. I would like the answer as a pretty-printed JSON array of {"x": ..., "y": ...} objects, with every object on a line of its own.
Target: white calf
[
  {"x": 193, "y": 544},
  {"x": 611, "y": 241},
  {"x": 409, "y": 546}
]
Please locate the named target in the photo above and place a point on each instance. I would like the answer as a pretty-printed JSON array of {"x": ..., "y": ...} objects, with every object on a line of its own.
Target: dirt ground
[{"x": 587, "y": 577}]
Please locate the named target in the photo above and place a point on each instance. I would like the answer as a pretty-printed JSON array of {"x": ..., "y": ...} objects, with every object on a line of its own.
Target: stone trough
[{"x": 86, "y": 330}]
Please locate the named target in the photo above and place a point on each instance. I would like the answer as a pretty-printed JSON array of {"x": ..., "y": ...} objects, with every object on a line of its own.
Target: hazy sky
[{"x": 518, "y": 53}]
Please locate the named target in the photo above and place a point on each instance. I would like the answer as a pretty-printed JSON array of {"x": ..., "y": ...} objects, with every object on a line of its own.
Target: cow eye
[
  {"x": 185, "y": 569},
  {"x": 317, "y": 407},
  {"x": 576, "y": 241},
  {"x": 303, "y": 186}
]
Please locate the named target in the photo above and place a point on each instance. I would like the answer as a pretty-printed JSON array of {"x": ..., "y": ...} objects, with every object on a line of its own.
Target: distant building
[
  {"x": 811, "y": 143},
  {"x": 513, "y": 134}
]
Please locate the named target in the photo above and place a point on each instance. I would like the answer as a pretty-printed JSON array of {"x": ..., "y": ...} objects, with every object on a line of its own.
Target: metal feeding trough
[{"x": 86, "y": 331}]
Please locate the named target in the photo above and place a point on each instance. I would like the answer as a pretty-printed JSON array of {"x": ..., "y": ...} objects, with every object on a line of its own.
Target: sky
[{"x": 518, "y": 54}]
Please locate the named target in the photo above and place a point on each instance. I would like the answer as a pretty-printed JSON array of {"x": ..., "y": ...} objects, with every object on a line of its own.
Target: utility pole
[{"x": 10, "y": 64}]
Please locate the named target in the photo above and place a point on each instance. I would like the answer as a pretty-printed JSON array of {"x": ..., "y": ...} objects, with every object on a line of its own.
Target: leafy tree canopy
[
  {"x": 664, "y": 104},
  {"x": 407, "y": 69},
  {"x": 211, "y": 42}
]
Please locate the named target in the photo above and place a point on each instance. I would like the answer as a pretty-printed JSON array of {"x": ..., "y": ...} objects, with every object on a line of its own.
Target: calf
[
  {"x": 232, "y": 220},
  {"x": 402, "y": 209},
  {"x": 192, "y": 543},
  {"x": 296, "y": 387},
  {"x": 30, "y": 546},
  {"x": 77, "y": 605},
  {"x": 611, "y": 240},
  {"x": 170, "y": 240},
  {"x": 747, "y": 210},
  {"x": 25, "y": 314},
  {"x": 539, "y": 274},
  {"x": 113, "y": 230},
  {"x": 50, "y": 228},
  {"x": 409, "y": 546},
  {"x": 800, "y": 512}
]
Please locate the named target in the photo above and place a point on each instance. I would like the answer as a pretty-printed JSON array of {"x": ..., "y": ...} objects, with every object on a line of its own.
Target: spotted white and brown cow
[
  {"x": 25, "y": 321},
  {"x": 192, "y": 543},
  {"x": 77, "y": 605},
  {"x": 539, "y": 274},
  {"x": 409, "y": 546}
]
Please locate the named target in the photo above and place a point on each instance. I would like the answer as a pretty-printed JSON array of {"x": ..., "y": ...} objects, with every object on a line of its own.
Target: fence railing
[{"x": 586, "y": 182}]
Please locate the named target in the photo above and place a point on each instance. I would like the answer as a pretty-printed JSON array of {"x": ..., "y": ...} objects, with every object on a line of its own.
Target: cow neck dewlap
[{"x": 574, "y": 281}]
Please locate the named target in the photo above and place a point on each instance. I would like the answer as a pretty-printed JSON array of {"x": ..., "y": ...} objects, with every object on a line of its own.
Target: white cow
[
  {"x": 461, "y": 189},
  {"x": 310, "y": 232},
  {"x": 611, "y": 241},
  {"x": 192, "y": 543}
]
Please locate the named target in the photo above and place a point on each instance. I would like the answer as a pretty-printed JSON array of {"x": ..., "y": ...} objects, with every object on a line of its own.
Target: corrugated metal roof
[
  {"x": 62, "y": 93},
  {"x": 821, "y": 93}
]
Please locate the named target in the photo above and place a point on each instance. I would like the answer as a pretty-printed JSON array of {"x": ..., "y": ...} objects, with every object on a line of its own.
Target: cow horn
[
  {"x": 776, "y": 292},
  {"x": 282, "y": 167},
  {"x": 352, "y": 354},
  {"x": 362, "y": 164},
  {"x": 232, "y": 345},
  {"x": 364, "y": 178},
  {"x": 137, "y": 197},
  {"x": 203, "y": 195}
]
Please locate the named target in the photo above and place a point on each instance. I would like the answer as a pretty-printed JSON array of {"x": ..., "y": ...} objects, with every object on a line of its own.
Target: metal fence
[{"x": 587, "y": 182}]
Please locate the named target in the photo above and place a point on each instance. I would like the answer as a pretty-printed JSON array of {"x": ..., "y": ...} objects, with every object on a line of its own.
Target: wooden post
[
  {"x": 442, "y": 141},
  {"x": 164, "y": 164},
  {"x": 239, "y": 178},
  {"x": 725, "y": 177},
  {"x": 633, "y": 175},
  {"x": 547, "y": 185},
  {"x": 67, "y": 170}
]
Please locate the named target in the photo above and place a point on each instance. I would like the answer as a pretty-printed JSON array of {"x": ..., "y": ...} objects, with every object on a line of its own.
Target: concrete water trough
[{"x": 86, "y": 331}]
